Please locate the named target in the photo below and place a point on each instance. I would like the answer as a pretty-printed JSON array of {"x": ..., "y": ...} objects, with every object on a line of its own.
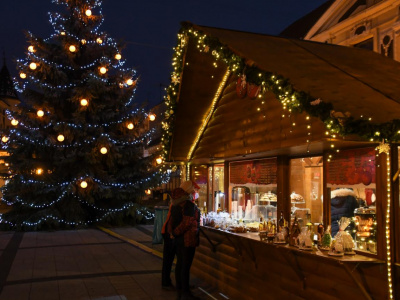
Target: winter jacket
[
  {"x": 185, "y": 219},
  {"x": 343, "y": 204}
]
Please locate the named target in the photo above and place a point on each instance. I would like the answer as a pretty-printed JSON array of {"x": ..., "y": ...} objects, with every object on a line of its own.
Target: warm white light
[
  {"x": 4, "y": 139},
  {"x": 159, "y": 160},
  {"x": 88, "y": 12},
  {"x": 130, "y": 126},
  {"x": 39, "y": 171},
  {"x": 148, "y": 192},
  {"x": 83, "y": 184},
  {"x": 103, "y": 150},
  {"x": 22, "y": 75},
  {"x": 99, "y": 41},
  {"x": 83, "y": 41},
  {"x": 152, "y": 117},
  {"x": 118, "y": 56},
  {"x": 84, "y": 102},
  {"x": 129, "y": 82},
  {"x": 40, "y": 113},
  {"x": 62, "y": 32},
  {"x": 14, "y": 122},
  {"x": 33, "y": 66},
  {"x": 72, "y": 48},
  {"x": 31, "y": 49},
  {"x": 103, "y": 70},
  {"x": 60, "y": 138}
]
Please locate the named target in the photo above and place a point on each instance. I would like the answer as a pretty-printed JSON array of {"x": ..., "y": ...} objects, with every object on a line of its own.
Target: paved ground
[{"x": 117, "y": 263}]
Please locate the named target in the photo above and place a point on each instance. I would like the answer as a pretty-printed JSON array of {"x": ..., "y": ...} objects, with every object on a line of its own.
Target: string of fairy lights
[
  {"x": 337, "y": 124},
  {"x": 108, "y": 70}
]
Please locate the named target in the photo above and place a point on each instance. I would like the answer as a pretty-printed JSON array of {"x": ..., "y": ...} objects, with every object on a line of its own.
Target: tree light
[
  {"x": 129, "y": 82},
  {"x": 88, "y": 12},
  {"x": 103, "y": 150},
  {"x": 83, "y": 41},
  {"x": 14, "y": 122},
  {"x": 130, "y": 126},
  {"x": 84, "y": 184},
  {"x": 4, "y": 139},
  {"x": 99, "y": 40},
  {"x": 159, "y": 160},
  {"x": 31, "y": 49},
  {"x": 148, "y": 192},
  {"x": 152, "y": 117},
  {"x": 39, "y": 171},
  {"x": 60, "y": 138},
  {"x": 22, "y": 75},
  {"x": 72, "y": 48},
  {"x": 103, "y": 70},
  {"x": 84, "y": 102},
  {"x": 118, "y": 56},
  {"x": 40, "y": 113},
  {"x": 33, "y": 66}
]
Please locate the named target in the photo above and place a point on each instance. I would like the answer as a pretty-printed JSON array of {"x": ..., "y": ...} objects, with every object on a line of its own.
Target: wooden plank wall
[{"x": 248, "y": 269}]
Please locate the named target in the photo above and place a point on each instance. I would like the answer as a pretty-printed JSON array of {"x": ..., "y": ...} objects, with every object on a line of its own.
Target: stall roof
[{"x": 360, "y": 82}]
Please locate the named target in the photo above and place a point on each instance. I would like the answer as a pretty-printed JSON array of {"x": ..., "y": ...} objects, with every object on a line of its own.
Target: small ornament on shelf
[{"x": 326, "y": 239}]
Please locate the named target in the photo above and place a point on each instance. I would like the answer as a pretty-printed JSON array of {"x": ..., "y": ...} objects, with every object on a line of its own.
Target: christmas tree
[{"x": 76, "y": 152}]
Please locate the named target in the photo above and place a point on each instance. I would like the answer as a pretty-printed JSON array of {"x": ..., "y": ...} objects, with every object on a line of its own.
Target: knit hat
[{"x": 187, "y": 186}]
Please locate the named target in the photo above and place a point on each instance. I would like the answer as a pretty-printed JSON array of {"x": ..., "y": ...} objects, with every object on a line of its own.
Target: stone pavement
[{"x": 117, "y": 263}]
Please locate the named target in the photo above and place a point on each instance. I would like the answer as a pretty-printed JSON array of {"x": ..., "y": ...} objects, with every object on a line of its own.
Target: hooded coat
[
  {"x": 343, "y": 204},
  {"x": 185, "y": 219}
]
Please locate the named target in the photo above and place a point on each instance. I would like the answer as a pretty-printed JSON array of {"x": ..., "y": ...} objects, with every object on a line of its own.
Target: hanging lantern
[
  {"x": 129, "y": 82},
  {"x": 14, "y": 122},
  {"x": 22, "y": 75},
  {"x": 152, "y": 116},
  {"x": 84, "y": 102},
  {"x": 159, "y": 160},
  {"x": 103, "y": 150},
  {"x": 4, "y": 139},
  {"x": 99, "y": 41},
  {"x": 72, "y": 48},
  {"x": 33, "y": 66},
  {"x": 60, "y": 138},
  {"x": 39, "y": 171},
  {"x": 31, "y": 49},
  {"x": 118, "y": 56},
  {"x": 40, "y": 113},
  {"x": 130, "y": 126},
  {"x": 84, "y": 184},
  {"x": 103, "y": 70},
  {"x": 88, "y": 12}
]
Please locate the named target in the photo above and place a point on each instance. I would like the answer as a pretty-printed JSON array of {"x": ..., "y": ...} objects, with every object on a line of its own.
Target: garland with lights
[
  {"x": 292, "y": 100},
  {"x": 76, "y": 146}
]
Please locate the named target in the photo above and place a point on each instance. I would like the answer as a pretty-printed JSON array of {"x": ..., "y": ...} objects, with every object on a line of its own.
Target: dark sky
[{"x": 149, "y": 28}]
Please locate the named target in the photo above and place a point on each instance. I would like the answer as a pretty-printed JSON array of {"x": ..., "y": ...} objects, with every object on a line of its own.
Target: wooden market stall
[{"x": 267, "y": 122}]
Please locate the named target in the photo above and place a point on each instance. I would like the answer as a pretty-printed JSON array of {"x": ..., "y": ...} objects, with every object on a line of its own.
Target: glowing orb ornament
[
  {"x": 14, "y": 122},
  {"x": 72, "y": 48},
  {"x": 84, "y": 184},
  {"x": 60, "y": 138},
  {"x": 40, "y": 113},
  {"x": 4, "y": 139},
  {"x": 148, "y": 192},
  {"x": 31, "y": 49},
  {"x": 152, "y": 117},
  {"x": 129, "y": 82},
  {"x": 84, "y": 102},
  {"x": 39, "y": 171},
  {"x": 88, "y": 12},
  {"x": 99, "y": 41},
  {"x": 159, "y": 160},
  {"x": 33, "y": 66},
  {"x": 118, "y": 56},
  {"x": 103, "y": 70},
  {"x": 130, "y": 126},
  {"x": 22, "y": 75},
  {"x": 103, "y": 150}
]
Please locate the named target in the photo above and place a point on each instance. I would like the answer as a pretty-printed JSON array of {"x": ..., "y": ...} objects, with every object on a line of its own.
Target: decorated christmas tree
[{"x": 76, "y": 149}]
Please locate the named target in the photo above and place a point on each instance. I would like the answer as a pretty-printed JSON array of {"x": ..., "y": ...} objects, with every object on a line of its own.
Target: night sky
[{"x": 149, "y": 28}]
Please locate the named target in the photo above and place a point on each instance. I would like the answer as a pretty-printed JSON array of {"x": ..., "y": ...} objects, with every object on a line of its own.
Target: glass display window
[
  {"x": 306, "y": 182},
  {"x": 253, "y": 189},
  {"x": 218, "y": 188},
  {"x": 200, "y": 176},
  {"x": 352, "y": 184}
]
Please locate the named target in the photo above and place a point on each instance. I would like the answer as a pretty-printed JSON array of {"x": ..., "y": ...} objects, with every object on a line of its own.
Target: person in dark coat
[
  {"x": 169, "y": 251},
  {"x": 343, "y": 204},
  {"x": 184, "y": 227}
]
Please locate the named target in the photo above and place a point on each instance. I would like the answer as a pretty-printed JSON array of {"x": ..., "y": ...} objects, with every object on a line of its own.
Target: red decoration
[
  {"x": 253, "y": 90},
  {"x": 241, "y": 86}
]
